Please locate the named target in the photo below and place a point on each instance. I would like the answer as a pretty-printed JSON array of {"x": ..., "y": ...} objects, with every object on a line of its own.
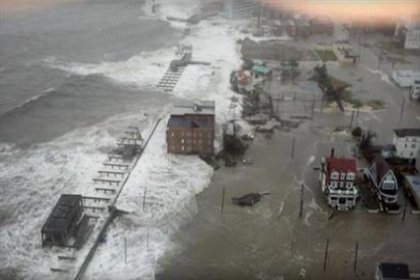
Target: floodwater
[{"x": 270, "y": 240}]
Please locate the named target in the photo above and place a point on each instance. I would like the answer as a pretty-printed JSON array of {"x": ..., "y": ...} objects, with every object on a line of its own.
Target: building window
[
  {"x": 172, "y": 134},
  {"x": 183, "y": 148},
  {"x": 413, "y": 146}
]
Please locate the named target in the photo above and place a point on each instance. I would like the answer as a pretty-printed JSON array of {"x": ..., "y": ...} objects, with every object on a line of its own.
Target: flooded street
[{"x": 270, "y": 240}]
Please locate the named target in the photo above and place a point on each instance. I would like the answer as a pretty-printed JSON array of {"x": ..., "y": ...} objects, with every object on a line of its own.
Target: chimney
[{"x": 332, "y": 152}]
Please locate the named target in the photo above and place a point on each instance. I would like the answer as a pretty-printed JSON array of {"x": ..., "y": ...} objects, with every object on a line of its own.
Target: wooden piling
[
  {"x": 356, "y": 250},
  {"x": 293, "y": 147},
  {"x": 301, "y": 201},
  {"x": 326, "y": 254},
  {"x": 223, "y": 199}
]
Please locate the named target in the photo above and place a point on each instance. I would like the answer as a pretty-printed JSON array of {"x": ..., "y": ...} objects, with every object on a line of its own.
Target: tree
[{"x": 366, "y": 140}]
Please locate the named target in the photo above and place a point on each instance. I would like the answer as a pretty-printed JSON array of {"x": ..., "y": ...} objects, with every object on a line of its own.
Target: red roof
[{"x": 341, "y": 165}]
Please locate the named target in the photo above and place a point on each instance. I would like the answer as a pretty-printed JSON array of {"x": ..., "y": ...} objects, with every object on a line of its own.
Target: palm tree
[{"x": 293, "y": 65}]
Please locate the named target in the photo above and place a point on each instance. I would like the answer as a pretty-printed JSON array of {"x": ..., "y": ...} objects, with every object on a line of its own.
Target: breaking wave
[{"x": 29, "y": 102}]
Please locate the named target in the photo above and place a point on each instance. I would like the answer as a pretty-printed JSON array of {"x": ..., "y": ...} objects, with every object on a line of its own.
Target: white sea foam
[
  {"x": 31, "y": 181},
  {"x": 383, "y": 75},
  {"x": 171, "y": 183},
  {"x": 144, "y": 70}
]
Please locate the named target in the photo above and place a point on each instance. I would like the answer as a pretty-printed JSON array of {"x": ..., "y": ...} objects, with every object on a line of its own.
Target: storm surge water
[
  {"x": 158, "y": 199},
  {"x": 69, "y": 107}
]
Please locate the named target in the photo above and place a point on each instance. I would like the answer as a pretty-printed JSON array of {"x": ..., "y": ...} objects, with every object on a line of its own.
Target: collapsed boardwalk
[{"x": 93, "y": 204}]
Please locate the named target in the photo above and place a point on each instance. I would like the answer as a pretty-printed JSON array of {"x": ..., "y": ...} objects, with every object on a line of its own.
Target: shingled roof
[{"x": 341, "y": 165}]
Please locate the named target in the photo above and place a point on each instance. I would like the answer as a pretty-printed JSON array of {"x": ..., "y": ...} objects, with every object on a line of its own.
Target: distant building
[
  {"x": 235, "y": 9},
  {"x": 392, "y": 271},
  {"x": 337, "y": 182},
  {"x": 321, "y": 25},
  {"x": 384, "y": 181},
  {"x": 343, "y": 50},
  {"x": 191, "y": 128},
  {"x": 63, "y": 220},
  {"x": 412, "y": 39},
  {"x": 407, "y": 142},
  {"x": 260, "y": 72}
]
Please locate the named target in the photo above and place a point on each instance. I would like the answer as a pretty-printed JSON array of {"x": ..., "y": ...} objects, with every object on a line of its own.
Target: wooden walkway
[{"x": 170, "y": 79}]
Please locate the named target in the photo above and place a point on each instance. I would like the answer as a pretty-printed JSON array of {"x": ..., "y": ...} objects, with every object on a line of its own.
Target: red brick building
[{"x": 190, "y": 129}]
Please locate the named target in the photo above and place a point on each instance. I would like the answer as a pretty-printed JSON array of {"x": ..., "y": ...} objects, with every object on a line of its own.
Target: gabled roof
[
  {"x": 341, "y": 165},
  {"x": 407, "y": 132},
  {"x": 382, "y": 168},
  {"x": 394, "y": 270}
]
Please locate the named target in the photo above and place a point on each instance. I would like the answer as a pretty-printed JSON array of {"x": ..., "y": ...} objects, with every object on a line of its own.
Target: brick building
[{"x": 191, "y": 128}]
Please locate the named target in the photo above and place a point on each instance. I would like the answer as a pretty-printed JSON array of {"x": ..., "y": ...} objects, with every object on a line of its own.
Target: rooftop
[
  {"x": 410, "y": 132},
  {"x": 176, "y": 121},
  {"x": 63, "y": 209},
  {"x": 382, "y": 167},
  {"x": 261, "y": 68},
  {"x": 394, "y": 270},
  {"x": 194, "y": 107},
  {"x": 341, "y": 164}
]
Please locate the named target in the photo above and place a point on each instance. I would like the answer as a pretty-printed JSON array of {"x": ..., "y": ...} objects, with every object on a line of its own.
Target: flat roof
[
  {"x": 394, "y": 270},
  {"x": 410, "y": 132},
  {"x": 202, "y": 107},
  {"x": 58, "y": 218},
  {"x": 176, "y": 121}
]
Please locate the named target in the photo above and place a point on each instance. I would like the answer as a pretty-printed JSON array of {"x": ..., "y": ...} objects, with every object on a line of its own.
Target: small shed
[
  {"x": 63, "y": 220},
  {"x": 261, "y": 70}
]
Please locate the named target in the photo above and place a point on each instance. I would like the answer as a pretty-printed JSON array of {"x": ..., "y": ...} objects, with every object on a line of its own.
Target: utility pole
[
  {"x": 293, "y": 147},
  {"x": 144, "y": 198},
  {"x": 223, "y": 199},
  {"x": 402, "y": 109},
  {"x": 326, "y": 254},
  {"x": 125, "y": 249},
  {"x": 356, "y": 251},
  {"x": 352, "y": 118},
  {"x": 301, "y": 201}
]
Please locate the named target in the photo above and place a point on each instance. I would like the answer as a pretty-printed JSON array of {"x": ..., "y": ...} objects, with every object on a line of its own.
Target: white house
[
  {"x": 337, "y": 178},
  {"x": 384, "y": 181},
  {"x": 407, "y": 142}
]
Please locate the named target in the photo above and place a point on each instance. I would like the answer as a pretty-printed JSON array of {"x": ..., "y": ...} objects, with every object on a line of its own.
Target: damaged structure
[
  {"x": 63, "y": 221},
  {"x": 191, "y": 128}
]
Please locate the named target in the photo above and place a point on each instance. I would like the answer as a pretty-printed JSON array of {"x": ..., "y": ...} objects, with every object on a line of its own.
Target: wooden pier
[
  {"x": 170, "y": 79},
  {"x": 109, "y": 202}
]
